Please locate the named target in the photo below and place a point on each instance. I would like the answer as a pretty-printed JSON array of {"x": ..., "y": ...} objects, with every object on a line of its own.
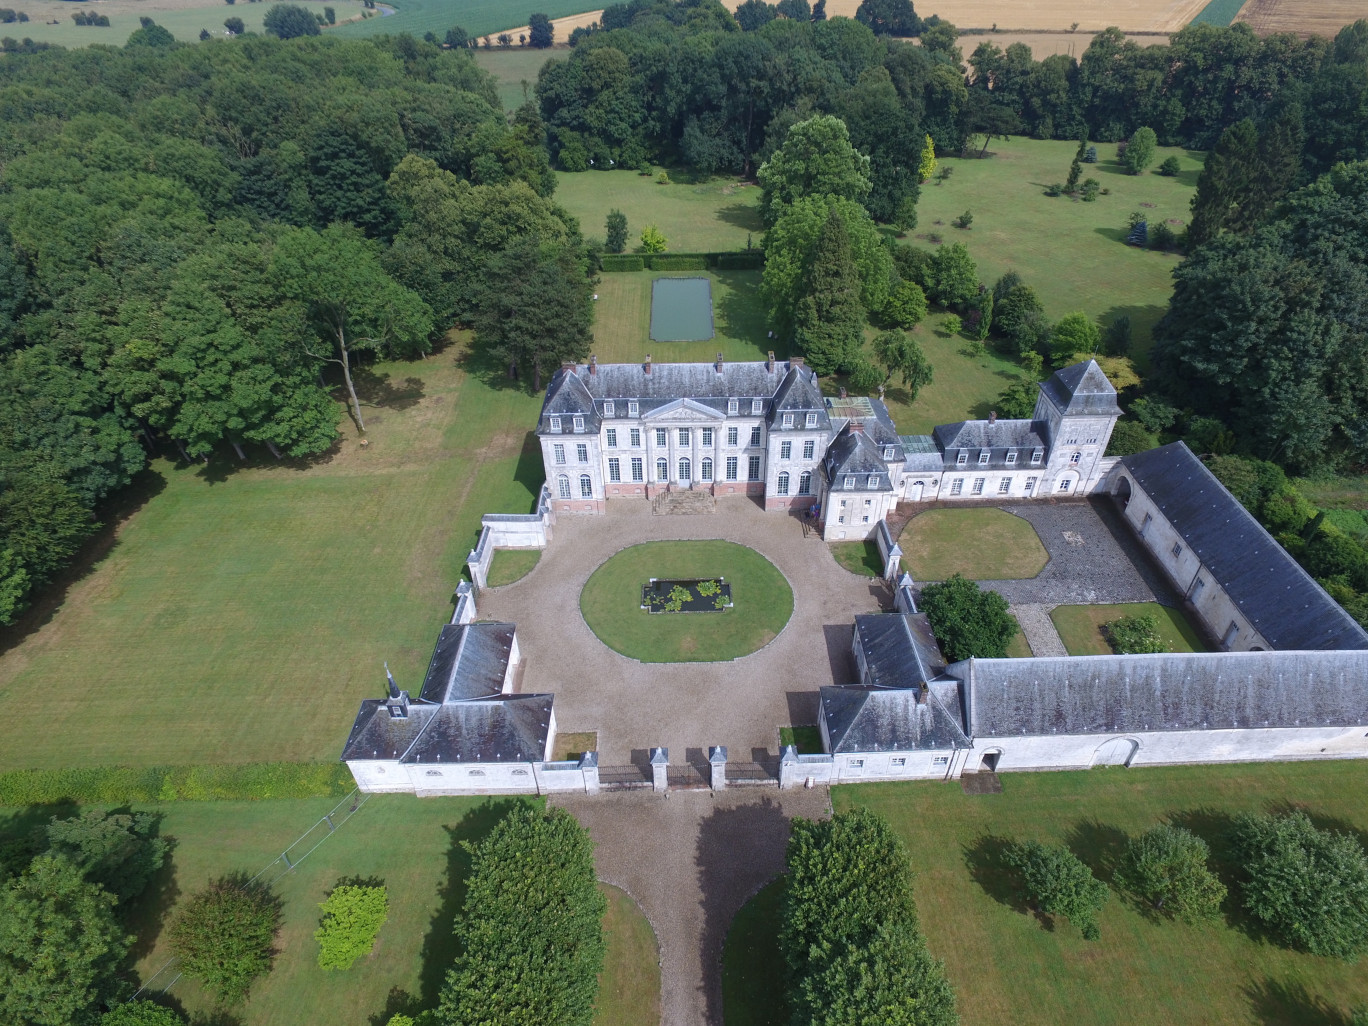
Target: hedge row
[
  {"x": 745, "y": 260},
  {"x": 116, "y": 785}
]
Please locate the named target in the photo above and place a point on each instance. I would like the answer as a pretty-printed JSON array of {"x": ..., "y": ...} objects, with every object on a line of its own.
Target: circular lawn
[
  {"x": 982, "y": 544},
  {"x": 762, "y": 602}
]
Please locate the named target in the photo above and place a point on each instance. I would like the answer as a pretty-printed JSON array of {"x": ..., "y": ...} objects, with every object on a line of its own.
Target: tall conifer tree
[{"x": 829, "y": 321}]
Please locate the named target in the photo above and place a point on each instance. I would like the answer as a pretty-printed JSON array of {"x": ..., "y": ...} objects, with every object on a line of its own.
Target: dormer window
[
  {"x": 579, "y": 423},
  {"x": 873, "y": 481},
  {"x": 888, "y": 452},
  {"x": 757, "y": 406},
  {"x": 983, "y": 457},
  {"x": 1011, "y": 458},
  {"x": 962, "y": 459},
  {"x": 633, "y": 409},
  {"x": 609, "y": 409},
  {"x": 850, "y": 481},
  {"x": 733, "y": 406},
  {"x": 555, "y": 424},
  {"x": 1036, "y": 457},
  {"x": 788, "y": 420},
  {"x": 811, "y": 420}
]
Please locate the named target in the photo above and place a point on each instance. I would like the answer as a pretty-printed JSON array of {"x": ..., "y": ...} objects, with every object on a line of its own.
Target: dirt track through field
[{"x": 1302, "y": 17}]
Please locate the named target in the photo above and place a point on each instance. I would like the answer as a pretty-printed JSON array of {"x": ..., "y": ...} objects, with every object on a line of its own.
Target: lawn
[
  {"x": 807, "y": 739},
  {"x": 1009, "y": 966},
  {"x": 981, "y": 544},
  {"x": 761, "y": 597},
  {"x": 629, "y": 986},
  {"x": 859, "y": 557},
  {"x": 509, "y": 565},
  {"x": 752, "y": 965},
  {"x": 1072, "y": 253},
  {"x": 514, "y": 67},
  {"x": 1019, "y": 647},
  {"x": 231, "y": 593},
  {"x": 477, "y": 17},
  {"x": 183, "y": 21},
  {"x": 703, "y": 216},
  {"x": 1080, "y": 627}
]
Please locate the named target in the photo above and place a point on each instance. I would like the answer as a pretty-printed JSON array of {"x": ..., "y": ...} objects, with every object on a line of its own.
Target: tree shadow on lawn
[
  {"x": 146, "y": 915},
  {"x": 378, "y": 389},
  {"x": 530, "y": 471},
  {"x": 742, "y": 215},
  {"x": 1098, "y": 846},
  {"x": 1216, "y": 827},
  {"x": 741, "y": 314},
  {"x": 1289, "y": 1003},
  {"x": 986, "y": 860}
]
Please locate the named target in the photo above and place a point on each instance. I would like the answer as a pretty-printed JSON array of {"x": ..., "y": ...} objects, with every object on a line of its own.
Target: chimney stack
[
  {"x": 593, "y": 364},
  {"x": 843, "y": 393},
  {"x": 796, "y": 361},
  {"x": 769, "y": 363},
  {"x": 568, "y": 366},
  {"x": 719, "y": 363},
  {"x": 648, "y": 363},
  {"x": 992, "y": 416},
  {"x": 857, "y": 427},
  {"x": 921, "y": 693}
]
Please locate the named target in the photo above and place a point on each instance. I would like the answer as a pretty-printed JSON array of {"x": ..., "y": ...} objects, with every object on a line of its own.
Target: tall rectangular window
[
  {"x": 811, "y": 420},
  {"x": 579, "y": 423},
  {"x": 611, "y": 437},
  {"x": 731, "y": 468},
  {"x": 731, "y": 436},
  {"x": 1030, "y": 485},
  {"x": 755, "y": 435},
  {"x": 633, "y": 409},
  {"x": 873, "y": 481},
  {"x": 582, "y": 453},
  {"x": 662, "y": 439},
  {"x": 609, "y": 408},
  {"x": 636, "y": 468},
  {"x": 888, "y": 452},
  {"x": 614, "y": 469},
  {"x": 978, "y": 486},
  {"x": 757, "y": 406},
  {"x": 555, "y": 424},
  {"x": 786, "y": 450},
  {"x": 707, "y": 437},
  {"x": 753, "y": 469},
  {"x": 788, "y": 420},
  {"x": 586, "y": 487},
  {"x": 809, "y": 448},
  {"x": 683, "y": 436},
  {"x": 1004, "y": 486},
  {"x": 636, "y": 438},
  {"x": 957, "y": 486},
  {"x": 733, "y": 406},
  {"x": 558, "y": 451}
]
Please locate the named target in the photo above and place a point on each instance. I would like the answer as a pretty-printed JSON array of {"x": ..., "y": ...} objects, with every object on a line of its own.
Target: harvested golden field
[
  {"x": 1303, "y": 17},
  {"x": 1045, "y": 44}
]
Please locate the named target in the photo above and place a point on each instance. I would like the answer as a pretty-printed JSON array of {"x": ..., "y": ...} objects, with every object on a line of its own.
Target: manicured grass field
[
  {"x": 808, "y": 739},
  {"x": 509, "y": 565},
  {"x": 611, "y": 602},
  {"x": 477, "y": 17},
  {"x": 1072, "y": 253},
  {"x": 514, "y": 67},
  {"x": 859, "y": 557},
  {"x": 629, "y": 986},
  {"x": 981, "y": 544},
  {"x": 752, "y": 965},
  {"x": 183, "y": 21},
  {"x": 705, "y": 216},
  {"x": 1080, "y": 627},
  {"x": 242, "y": 612},
  {"x": 1018, "y": 647},
  {"x": 1008, "y": 966}
]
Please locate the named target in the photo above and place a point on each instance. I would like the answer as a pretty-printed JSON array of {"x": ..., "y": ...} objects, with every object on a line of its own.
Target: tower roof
[{"x": 1082, "y": 388}]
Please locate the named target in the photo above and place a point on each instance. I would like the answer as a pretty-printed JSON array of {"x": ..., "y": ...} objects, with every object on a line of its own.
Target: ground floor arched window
[
  {"x": 783, "y": 488},
  {"x": 685, "y": 471},
  {"x": 563, "y": 486},
  {"x": 805, "y": 483},
  {"x": 586, "y": 487},
  {"x": 662, "y": 469},
  {"x": 707, "y": 469}
]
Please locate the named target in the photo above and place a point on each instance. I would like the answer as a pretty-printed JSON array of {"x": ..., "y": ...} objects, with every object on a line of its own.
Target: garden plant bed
[{"x": 659, "y": 595}]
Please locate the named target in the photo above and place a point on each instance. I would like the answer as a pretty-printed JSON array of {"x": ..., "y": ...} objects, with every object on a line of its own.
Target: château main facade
[{"x": 764, "y": 429}]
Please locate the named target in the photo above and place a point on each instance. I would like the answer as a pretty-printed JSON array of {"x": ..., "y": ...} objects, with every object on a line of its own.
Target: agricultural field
[
  {"x": 1072, "y": 253},
  {"x": 182, "y": 18},
  {"x": 477, "y": 17},
  {"x": 1302, "y": 17},
  {"x": 512, "y": 68},
  {"x": 1007, "y": 965},
  {"x": 229, "y": 594},
  {"x": 1046, "y": 44},
  {"x": 1090, "y": 15}
]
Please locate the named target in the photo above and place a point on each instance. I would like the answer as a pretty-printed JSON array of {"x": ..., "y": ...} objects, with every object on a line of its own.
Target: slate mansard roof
[
  {"x": 582, "y": 389},
  {"x": 853, "y": 454},
  {"x": 1082, "y": 388},
  {"x": 860, "y": 718},
  {"x": 999, "y": 437},
  {"x": 1271, "y": 590},
  {"x": 462, "y": 714},
  {"x": 900, "y": 650},
  {"x": 1141, "y": 693}
]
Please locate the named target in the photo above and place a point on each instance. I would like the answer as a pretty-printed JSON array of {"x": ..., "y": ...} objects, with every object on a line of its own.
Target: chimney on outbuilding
[
  {"x": 992, "y": 416},
  {"x": 769, "y": 363},
  {"x": 593, "y": 364},
  {"x": 719, "y": 363},
  {"x": 843, "y": 395},
  {"x": 648, "y": 363}
]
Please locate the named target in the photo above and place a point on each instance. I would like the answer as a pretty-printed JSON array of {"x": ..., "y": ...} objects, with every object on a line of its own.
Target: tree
[
  {"x": 653, "y": 239},
  {"x": 816, "y": 159},
  {"x": 224, "y": 935},
  {"x": 828, "y": 324},
  {"x": 906, "y": 305},
  {"x": 536, "y": 309},
  {"x": 352, "y": 916},
  {"x": 1166, "y": 867},
  {"x": 1076, "y": 167},
  {"x": 456, "y": 38},
  {"x": 952, "y": 277},
  {"x": 889, "y": 17},
  {"x": 1140, "y": 150},
  {"x": 615, "y": 232},
  {"x": 968, "y": 622},
  {"x": 532, "y": 919},
  {"x": 540, "y": 32},
  {"x": 752, "y": 14},
  {"x": 1058, "y": 883},
  {"x": 1074, "y": 335},
  {"x": 330, "y": 16},
  {"x": 120, "y": 852},
  {"x": 204, "y": 35},
  {"x": 289, "y": 21},
  {"x": 927, "y": 167},
  {"x": 1309, "y": 887},
  {"x": 1245, "y": 175},
  {"x": 794, "y": 10},
  {"x": 234, "y": 25},
  {"x": 352, "y": 304},
  {"x": 60, "y": 945},
  {"x": 142, "y": 1013},
  {"x": 902, "y": 355},
  {"x": 1017, "y": 401},
  {"x": 1127, "y": 439},
  {"x": 150, "y": 34},
  {"x": 1170, "y": 168}
]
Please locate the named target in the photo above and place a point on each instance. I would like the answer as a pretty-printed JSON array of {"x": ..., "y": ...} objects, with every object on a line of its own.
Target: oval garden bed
[{"x": 613, "y": 602}]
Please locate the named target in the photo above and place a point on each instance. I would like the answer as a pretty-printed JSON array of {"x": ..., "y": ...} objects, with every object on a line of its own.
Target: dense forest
[{"x": 198, "y": 243}]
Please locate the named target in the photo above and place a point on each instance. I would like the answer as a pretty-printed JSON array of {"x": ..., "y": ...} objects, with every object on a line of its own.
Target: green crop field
[
  {"x": 477, "y": 17},
  {"x": 707, "y": 216},
  {"x": 242, "y": 613},
  {"x": 514, "y": 67},
  {"x": 182, "y": 22},
  {"x": 1010, "y": 966},
  {"x": 1072, "y": 253}
]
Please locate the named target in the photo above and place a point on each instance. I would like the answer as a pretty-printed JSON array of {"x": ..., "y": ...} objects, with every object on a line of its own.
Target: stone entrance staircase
[{"x": 683, "y": 502}]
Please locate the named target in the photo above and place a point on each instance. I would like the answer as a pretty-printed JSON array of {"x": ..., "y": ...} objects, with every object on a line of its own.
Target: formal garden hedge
[
  {"x": 745, "y": 260},
  {"x": 116, "y": 785}
]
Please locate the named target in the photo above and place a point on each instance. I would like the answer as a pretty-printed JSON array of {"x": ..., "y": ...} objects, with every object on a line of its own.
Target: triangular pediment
[{"x": 684, "y": 410}]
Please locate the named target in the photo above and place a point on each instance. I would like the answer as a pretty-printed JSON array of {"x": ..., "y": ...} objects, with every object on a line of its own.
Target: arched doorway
[
  {"x": 1117, "y": 752},
  {"x": 988, "y": 762},
  {"x": 1123, "y": 492},
  {"x": 915, "y": 494}
]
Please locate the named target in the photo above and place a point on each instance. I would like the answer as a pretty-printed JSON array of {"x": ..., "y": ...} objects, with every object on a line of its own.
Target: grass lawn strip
[
  {"x": 183, "y": 20},
  {"x": 808, "y": 739},
  {"x": 611, "y": 602},
  {"x": 981, "y": 544},
  {"x": 1006, "y": 967},
  {"x": 629, "y": 986},
  {"x": 1019, "y": 647},
  {"x": 1080, "y": 627},
  {"x": 509, "y": 565},
  {"x": 859, "y": 557},
  {"x": 753, "y": 968}
]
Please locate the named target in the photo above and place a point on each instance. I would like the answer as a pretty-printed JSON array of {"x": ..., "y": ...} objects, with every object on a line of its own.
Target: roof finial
[{"x": 393, "y": 687}]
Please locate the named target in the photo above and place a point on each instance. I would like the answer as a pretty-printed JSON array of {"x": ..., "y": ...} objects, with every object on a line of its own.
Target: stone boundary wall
[{"x": 510, "y": 531}]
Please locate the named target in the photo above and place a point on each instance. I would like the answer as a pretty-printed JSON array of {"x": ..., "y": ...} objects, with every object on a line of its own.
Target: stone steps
[{"x": 683, "y": 503}]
